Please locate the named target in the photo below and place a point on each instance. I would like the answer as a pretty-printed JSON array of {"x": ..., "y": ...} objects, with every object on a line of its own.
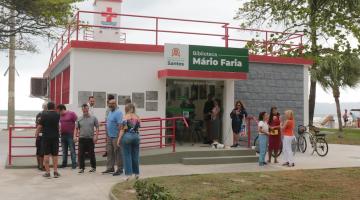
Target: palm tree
[{"x": 338, "y": 70}]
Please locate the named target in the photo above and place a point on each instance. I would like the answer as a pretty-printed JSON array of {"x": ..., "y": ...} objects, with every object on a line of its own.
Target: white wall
[{"x": 116, "y": 72}]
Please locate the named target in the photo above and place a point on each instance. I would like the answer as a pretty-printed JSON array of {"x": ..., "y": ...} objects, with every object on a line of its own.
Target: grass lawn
[
  {"x": 351, "y": 136},
  {"x": 298, "y": 184}
]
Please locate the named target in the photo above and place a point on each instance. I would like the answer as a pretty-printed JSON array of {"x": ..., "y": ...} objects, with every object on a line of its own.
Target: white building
[{"x": 99, "y": 58}]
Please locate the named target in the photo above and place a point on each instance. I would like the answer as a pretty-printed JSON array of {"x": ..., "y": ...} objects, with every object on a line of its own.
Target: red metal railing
[
  {"x": 153, "y": 134},
  {"x": 220, "y": 30}
]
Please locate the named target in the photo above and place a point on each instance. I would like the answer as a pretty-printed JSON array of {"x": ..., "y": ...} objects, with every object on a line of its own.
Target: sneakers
[
  {"x": 92, "y": 170},
  {"x": 56, "y": 175},
  {"x": 46, "y": 175},
  {"x": 285, "y": 164},
  {"x": 118, "y": 172},
  {"x": 81, "y": 171},
  {"x": 108, "y": 171}
]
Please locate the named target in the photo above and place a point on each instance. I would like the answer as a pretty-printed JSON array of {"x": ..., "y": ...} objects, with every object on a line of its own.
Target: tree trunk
[
  {"x": 315, "y": 54},
  {"x": 312, "y": 97},
  {"x": 11, "y": 88},
  {"x": 336, "y": 93}
]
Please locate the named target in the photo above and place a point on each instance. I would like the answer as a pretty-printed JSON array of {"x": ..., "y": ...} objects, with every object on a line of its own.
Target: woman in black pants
[{"x": 237, "y": 116}]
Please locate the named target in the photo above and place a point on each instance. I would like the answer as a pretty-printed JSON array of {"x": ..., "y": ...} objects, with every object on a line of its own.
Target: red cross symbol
[{"x": 109, "y": 16}]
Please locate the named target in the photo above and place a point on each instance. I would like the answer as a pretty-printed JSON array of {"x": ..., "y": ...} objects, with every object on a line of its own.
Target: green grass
[
  {"x": 326, "y": 184},
  {"x": 351, "y": 136}
]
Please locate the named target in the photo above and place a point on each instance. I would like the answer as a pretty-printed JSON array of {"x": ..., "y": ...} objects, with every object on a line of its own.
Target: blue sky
[{"x": 33, "y": 65}]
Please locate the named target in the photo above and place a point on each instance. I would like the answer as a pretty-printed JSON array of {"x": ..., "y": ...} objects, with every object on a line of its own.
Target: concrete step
[
  {"x": 219, "y": 160},
  {"x": 175, "y": 158}
]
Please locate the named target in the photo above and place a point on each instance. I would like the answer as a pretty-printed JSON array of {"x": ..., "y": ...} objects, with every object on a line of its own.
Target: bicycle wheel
[
  {"x": 302, "y": 145},
  {"x": 256, "y": 144},
  {"x": 321, "y": 147}
]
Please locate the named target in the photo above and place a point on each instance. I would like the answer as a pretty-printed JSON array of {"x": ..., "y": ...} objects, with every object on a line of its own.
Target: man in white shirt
[{"x": 91, "y": 104}]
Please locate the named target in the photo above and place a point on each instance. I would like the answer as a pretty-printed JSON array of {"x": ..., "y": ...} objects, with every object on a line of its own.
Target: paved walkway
[{"x": 28, "y": 184}]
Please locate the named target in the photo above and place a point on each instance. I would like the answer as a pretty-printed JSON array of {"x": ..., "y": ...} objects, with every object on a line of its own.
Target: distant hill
[{"x": 322, "y": 109}]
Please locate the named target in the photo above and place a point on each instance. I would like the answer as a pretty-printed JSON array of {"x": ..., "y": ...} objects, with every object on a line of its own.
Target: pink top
[{"x": 67, "y": 122}]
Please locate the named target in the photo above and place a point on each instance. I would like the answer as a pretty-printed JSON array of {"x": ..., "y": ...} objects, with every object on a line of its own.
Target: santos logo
[{"x": 176, "y": 52}]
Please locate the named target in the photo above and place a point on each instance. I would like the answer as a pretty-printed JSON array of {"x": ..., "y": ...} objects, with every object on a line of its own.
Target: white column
[
  {"x": 306, "y": 94},
  {"x": 229, "y": 96}
]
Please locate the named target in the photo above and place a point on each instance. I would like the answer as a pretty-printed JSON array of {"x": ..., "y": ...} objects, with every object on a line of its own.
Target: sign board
[{"x": 206, "y": 58}]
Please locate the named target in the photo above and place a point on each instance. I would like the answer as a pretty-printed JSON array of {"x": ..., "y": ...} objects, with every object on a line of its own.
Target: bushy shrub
[{"x": 151, "y": 191}]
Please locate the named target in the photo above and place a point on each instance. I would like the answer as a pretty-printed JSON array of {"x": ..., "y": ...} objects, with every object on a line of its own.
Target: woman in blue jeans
[
  {"x": 263, "y": 129},
  {"x": 129, "y": 141}
]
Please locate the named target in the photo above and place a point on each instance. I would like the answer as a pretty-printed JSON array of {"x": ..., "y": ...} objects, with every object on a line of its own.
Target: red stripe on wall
[
  {"x": 58, "y": 89},
  {"x": 65, "y": 86}
]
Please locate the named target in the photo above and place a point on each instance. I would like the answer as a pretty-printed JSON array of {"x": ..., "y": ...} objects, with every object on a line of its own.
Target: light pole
[{"x": 11, "y": 89}]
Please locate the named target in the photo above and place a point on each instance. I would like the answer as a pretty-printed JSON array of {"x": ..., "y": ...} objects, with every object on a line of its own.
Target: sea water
[{"x": 22, "y": 118}]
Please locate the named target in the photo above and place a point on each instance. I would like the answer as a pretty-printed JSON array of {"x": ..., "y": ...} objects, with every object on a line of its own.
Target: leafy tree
[
  {"x": 320, "y": 21},
  {"x": 33, "y": 18},
  {"x": 335, "y": 71}
]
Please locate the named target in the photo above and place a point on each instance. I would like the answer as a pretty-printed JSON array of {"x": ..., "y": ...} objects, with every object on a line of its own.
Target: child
[
  {"x": 288, "y": 132},
  {"x": 263, "y": 129}
]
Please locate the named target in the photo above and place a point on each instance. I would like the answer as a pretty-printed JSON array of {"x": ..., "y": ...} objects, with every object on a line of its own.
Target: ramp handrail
[{"x": 152, "y": 135}]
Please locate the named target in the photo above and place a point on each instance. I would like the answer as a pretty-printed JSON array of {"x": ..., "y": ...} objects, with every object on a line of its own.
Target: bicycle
[{"x": 317, "y": 140}]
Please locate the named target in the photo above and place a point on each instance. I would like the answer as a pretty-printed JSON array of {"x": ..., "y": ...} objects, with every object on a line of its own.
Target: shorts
[
  {"x": 51, "y": 146},
  {"x": 39, "y": 146}
]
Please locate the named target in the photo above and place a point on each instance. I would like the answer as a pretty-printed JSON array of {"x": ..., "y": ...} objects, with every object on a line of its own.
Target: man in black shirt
[
  {"x": 49, "y": 124},
  {"x": 209, "y": 105},
  {"x": 39, "y": 148}
]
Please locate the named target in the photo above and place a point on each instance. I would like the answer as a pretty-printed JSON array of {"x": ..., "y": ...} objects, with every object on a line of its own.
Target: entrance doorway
[{"x": 187, "y": 98}]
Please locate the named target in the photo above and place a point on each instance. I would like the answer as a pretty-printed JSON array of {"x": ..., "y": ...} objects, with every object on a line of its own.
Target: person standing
[
  {"x": 113, "y": 126},
  {"x": 345, "y": 117},
  {"x": 39, "y": 141},
  {"x": 288, "y": 132},
  {"x": 215, "y": 121},
  {"x": 263, "y": 129},
  {"x": 67, "y": 127},
  {"x": 49, "y": 124},
  {"x": 91, "y": 104},
  {"x": 237, "y": 115},
  {"x": 275, "y": 134},
  {"x": 208, "y": 106},
  {"x": 84, "y": 133},
  {"x": 129, "y": 141}
]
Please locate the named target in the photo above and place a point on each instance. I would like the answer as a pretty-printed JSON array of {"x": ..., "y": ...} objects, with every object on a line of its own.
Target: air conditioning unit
[{"x": 39, "y": 88}]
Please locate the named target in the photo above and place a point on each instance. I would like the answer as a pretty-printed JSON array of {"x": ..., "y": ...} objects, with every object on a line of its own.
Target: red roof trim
[
  {"x": 174, "y": 73},
  {"x": 280, "y": 60},
  {"x": 117, "y": 46}
]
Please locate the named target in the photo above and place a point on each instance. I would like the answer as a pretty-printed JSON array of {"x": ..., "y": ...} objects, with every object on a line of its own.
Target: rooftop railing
[{"x": 140, "y": 29}]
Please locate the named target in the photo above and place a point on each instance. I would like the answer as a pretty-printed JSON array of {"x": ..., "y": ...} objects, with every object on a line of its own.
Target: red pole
[
  {"x": 161, "y": 134},
  {"x": 249, "y": 132},
  {"x": 226, "y": 35},
  {"x": 266, "y": 43},
  {"x": 301, "y": 46},
  {"x": 173, "y": 135},
  {"x": 10, "y": 145},
  {"x": 68, "y": 40},
  {"x": 157, "y": 33}
]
